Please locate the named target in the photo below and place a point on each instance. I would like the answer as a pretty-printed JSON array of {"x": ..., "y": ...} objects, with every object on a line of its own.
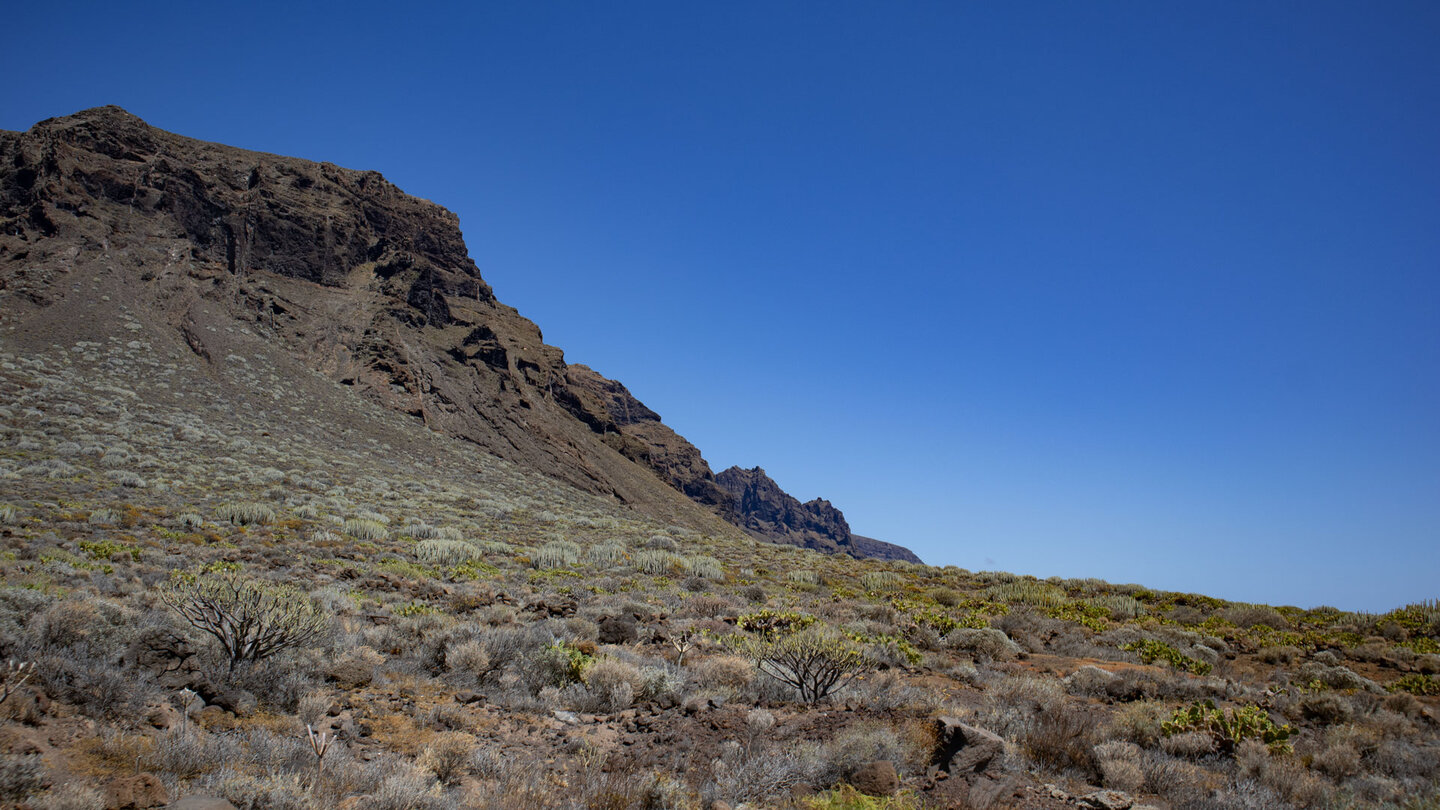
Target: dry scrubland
[{"x": 463, "y": 634}]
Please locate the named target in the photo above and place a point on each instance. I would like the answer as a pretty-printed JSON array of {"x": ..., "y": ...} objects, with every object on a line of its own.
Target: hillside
[
  {"x": 339, "y": 271},
  {"x": 497, "y": 606}
]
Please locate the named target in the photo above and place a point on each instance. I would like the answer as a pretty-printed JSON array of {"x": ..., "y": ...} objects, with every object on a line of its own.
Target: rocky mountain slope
[{"x": 238, "y": 253}]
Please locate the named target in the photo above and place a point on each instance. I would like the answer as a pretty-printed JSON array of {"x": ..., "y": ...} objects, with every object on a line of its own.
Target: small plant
[
  {"x": 848, "y": 798},
  {"x": 1229, "y": 727},
  {"x": 8, "y": 514},
  {"x": 319, "y": 745},
  {"x": 1151, "y": 651}
]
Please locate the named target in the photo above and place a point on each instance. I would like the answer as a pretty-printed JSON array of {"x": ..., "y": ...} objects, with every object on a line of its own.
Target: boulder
[
  {"x": 618, "y": 630},
  {"x": 876, "y": 778},
  {"x": 964, "y": 749},
  {"x": 236, "y": 701},
  {"x": 138, "y": 792}
]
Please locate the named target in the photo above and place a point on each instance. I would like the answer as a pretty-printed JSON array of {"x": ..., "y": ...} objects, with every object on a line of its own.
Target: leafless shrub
[
  {"x": 1061, "y": 737},
  {"x": 1283, "y": 654},
  {"x": 69, "y": 796},
  {"x": 448, "y": 756},
  {"x": 1139, "y": 722},
  {"x": 21, "y": 776},
  {"x": 1121, "y": 765},
  {"x": 988, "y": 644},
  {"x": 188, "y": 752},
  {"x": 252, "y": 620},
  {"x": 1189, "y": 745},
  {"x": 268, "y": 792},
  {"x": 840, "y": 757},
  {"x": 1251, "y": 615},
  {"x": 757, "y": 776},
  {"x": 1338, "y": 762}
]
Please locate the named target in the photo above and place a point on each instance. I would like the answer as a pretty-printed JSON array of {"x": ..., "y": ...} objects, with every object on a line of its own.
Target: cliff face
[
  {"x": 338, "y": 269},
  {"x": 763, "y": 508}
]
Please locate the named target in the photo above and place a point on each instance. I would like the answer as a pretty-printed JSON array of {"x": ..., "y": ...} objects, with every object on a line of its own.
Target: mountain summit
[{"x": 248, "y": 255}]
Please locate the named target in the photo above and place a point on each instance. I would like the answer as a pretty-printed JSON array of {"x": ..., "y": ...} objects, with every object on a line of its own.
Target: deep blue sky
[{"x": 1142, "y": 291}]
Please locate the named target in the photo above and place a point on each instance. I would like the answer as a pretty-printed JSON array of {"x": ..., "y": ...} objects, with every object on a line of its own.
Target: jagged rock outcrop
[
  {"x": 764, "y": 509},
  {"x": 335, "y": 268}
]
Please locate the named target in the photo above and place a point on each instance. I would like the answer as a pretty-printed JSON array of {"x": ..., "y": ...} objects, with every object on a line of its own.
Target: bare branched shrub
[
  {"x": 814, "y": 661},
  {"x": 753, "y": 775},
  {"x": 1121, "y": 765},
  {"x": 251, "y": 619},
  {"x": 69, "y": 796},
  {"x": 448, "y": 756}
]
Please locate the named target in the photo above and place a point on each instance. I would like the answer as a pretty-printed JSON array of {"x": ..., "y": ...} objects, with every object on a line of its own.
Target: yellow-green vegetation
[
  {"x": 1417, "y": 684},
  {"x": 1151, "y": 651},
  {"x": 1229, "y": 726},
  {"x": 848, "y": 798}
]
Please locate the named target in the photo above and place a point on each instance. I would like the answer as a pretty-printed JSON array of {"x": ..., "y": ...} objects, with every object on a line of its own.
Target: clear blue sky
[{"x": 1143, "y": 291}]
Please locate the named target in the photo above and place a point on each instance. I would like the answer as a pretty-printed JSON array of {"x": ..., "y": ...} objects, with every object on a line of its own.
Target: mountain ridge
[{"x": 363, "y": 283}]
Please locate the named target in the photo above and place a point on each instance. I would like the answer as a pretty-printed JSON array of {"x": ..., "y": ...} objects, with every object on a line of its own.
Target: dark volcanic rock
[
  {"x": 346, "y": 274},
  {"x": 764, "y": 509}
]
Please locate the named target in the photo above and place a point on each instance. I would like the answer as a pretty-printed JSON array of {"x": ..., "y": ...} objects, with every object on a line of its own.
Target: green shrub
[
  {"x": 105, "y": 549},
  {"x": 660, "y": 563},
  {"x": 1228, "y": 727},
  {"x": 446, "y": 552},
  {"x": 1025, "y": 592},
  {"x": 769, "y": 624},
  {"x": 881, "y": 581},
  {"x": 1151, "y": 651},
  {"x": 1416, "y": 684},
  {"x": 814, "y": 661},
  {"x": 556, "y": 554},
  {"x": 1118, "y": 606},
  {"x": 365, "y": 529},
  {"x": 605, "y": 555},
  {"x": 705, "y": 567},
  {"x": 242, "y": 514},
  {"x": 803, "y": 577}
]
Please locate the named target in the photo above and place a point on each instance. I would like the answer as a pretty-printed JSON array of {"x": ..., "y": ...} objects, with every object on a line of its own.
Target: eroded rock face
[
  {"x": 359, "y": 282},
  {"x": 763, "y": 508}
]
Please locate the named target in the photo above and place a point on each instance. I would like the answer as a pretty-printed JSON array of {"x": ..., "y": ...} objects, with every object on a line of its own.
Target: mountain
[
  {"x": 242, "y": 254},
  {"x": 765, "y": 510}
]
